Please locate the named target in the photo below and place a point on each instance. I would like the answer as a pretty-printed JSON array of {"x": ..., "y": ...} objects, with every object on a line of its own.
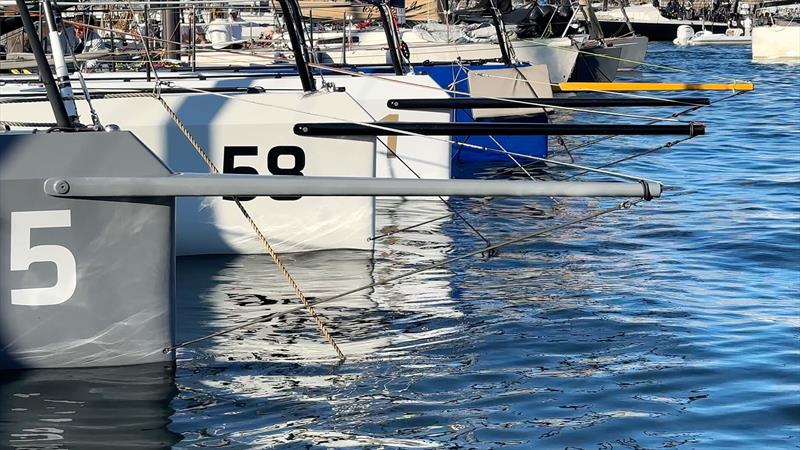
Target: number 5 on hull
[{"x": 23, "y": 255}]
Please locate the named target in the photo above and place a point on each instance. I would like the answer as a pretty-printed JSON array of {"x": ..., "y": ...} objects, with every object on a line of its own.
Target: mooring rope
[
  {"x": 8, "y": 123},
  {"x": 621, "y": 206},
  {"x": 323, "y": 329}
]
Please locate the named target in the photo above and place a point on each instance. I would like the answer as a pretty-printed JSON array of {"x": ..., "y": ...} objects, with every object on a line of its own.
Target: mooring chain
[
  {"x": 323, "y": 329},
  {"x": 621, "y": 206}
]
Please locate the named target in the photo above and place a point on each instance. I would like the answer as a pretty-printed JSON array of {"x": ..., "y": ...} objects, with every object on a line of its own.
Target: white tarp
[
  {"x": 518, "y": 82},
  {"x": 458, "y": 34}
]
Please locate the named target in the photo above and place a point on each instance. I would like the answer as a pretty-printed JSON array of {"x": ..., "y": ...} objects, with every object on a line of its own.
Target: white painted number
[{"x": 23, "y": 255}]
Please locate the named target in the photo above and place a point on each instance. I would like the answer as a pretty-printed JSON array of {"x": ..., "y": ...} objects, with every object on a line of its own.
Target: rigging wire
[
  {"x": 453, "y": 210},
  {"x": 605, "y": 165},
  {"x": 645, "y": 152},
  {"x": 405, "y": 132},
  {"x": 621, "y": 206}
]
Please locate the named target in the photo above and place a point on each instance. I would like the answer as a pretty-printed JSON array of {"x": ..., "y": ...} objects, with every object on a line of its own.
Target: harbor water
[{"x": 671, "y": 324}]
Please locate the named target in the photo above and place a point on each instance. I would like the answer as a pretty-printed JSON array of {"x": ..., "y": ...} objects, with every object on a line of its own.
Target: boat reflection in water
[
  {"x": 277, "y": 382},
  {"x": 281, "y": 373},
  {"x": 272, "y": 371},
  {"x": 120, "y": 407},
  {"x": 218, "y": 292}
]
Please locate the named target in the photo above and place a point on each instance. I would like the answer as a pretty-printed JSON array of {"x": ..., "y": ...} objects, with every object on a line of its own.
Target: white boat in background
[
  {"x": 559, "y": 54},
  {"x": 634, "y": 50},
  {"x": 777, "y": 43},
  {"x": 648, "y": 21},
  {"x": 732, "y": 36},
  {"x": 370, "y": 48}
]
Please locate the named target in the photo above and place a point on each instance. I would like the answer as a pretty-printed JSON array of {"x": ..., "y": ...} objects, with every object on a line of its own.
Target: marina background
[{"x": 674, "y": 324}]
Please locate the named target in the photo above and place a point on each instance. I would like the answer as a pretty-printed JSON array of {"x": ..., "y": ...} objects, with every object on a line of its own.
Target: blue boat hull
[{"x": 453, "y": 77}]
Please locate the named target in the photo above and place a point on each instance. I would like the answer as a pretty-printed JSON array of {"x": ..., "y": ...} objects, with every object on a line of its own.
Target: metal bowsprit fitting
[{"x": 233, "y": 185}]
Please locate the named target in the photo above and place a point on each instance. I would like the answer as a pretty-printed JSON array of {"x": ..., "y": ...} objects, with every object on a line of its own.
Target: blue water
[{"x": 674, "y": 324}]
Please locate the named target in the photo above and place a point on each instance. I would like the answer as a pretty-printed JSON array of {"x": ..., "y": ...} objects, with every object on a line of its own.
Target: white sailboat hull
[
  {"x": 256, "y": 135},
  {"x": 558, "y": 54},
  {"x": 776, "y": 42}
]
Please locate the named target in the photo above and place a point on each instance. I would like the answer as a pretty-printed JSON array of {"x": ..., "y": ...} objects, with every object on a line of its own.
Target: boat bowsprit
[{"x": 87, "y": 239}]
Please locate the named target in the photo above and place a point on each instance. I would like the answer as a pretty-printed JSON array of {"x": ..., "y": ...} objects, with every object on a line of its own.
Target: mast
[
  {"x": 294, "y": 26},
  {"x": 391, "y": 37},
  {"x": 591, "y": 20},
  {"x": 500, "y": 29},
  {"x": 170, "y": 24},
  {"x": 53, "y": 95},
  {"x": 63, "y": 82},
  {"x": 627, "y": 19}
]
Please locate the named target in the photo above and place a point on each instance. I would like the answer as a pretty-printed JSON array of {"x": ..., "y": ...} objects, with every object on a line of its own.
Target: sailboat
[
  {"x": 776, "y": 36},
  {"x": 268, "y": 123},
  {"x": 649, "y": 21},
  {"x": 98, "y": 206}
]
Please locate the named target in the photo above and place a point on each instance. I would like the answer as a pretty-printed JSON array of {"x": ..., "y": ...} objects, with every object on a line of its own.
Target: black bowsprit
[{"x": 322, "y": 129}]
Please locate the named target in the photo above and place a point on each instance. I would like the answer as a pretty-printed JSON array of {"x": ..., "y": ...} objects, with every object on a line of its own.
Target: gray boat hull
[
  {"x": 84, "y": 282},
  {"x": 597, "y": 64}
]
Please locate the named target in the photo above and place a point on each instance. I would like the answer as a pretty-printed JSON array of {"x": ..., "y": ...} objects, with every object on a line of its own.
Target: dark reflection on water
[
  {"x": 94, "y": 408},
  {"x": 674, "y": 325}
]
